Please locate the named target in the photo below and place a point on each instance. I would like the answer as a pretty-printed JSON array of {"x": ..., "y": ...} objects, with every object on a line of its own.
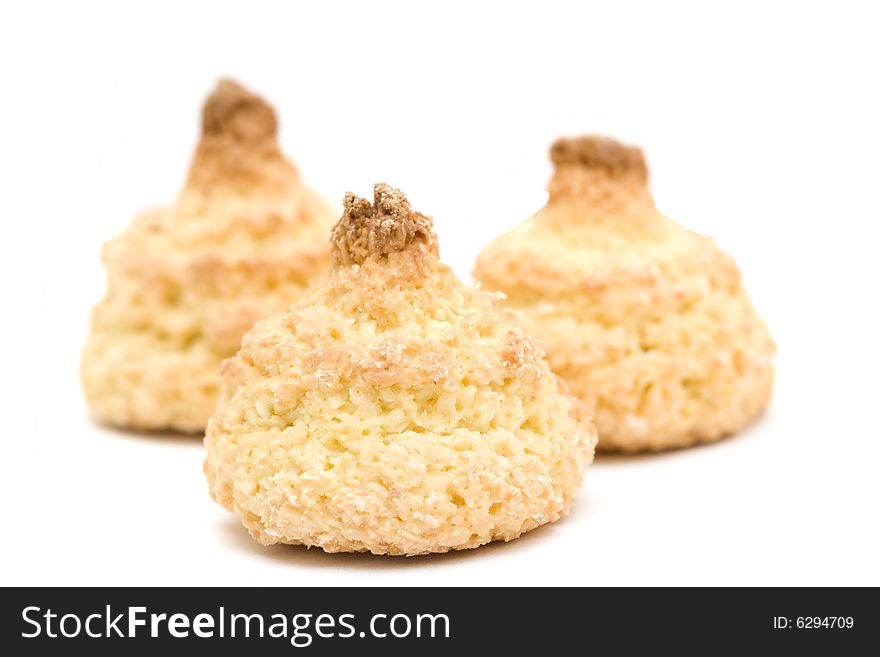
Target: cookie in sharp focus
[{"x": 393, "y": 409}]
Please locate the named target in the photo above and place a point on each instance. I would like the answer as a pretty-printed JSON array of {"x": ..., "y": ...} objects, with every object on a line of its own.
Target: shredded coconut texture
[
  {"x": 380, "y": 228},
  {"x": 185, "y": 282},
  {"x": 393, "y": 409},
  {"x": 648, "y": 322}
]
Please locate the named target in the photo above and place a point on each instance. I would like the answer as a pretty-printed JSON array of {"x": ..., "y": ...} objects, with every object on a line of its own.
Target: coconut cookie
[
  {"x": 185, "y": 282},
  {"x": 393, "y": 409},
  {"x": 647, "y": 321}
]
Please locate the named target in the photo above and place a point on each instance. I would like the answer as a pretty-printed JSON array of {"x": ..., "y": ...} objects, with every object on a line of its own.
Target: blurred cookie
[
  {"x": 647, "y": 321},
  {"x": 184, "y": 283},
  {"x": 393, "y": 409}
]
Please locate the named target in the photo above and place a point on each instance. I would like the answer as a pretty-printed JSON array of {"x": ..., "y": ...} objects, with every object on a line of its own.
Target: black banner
[{"x": 435, "y": 621}]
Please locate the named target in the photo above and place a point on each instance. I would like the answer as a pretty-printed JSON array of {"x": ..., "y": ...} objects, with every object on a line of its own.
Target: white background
[{"x": 760, "y": 123}]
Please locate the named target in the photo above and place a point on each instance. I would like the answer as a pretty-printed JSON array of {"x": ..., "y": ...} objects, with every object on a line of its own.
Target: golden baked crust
[
  {"x": 646, "y": 321},
  {"x": 393, "y": 409},
  {"x": 184, "y": 283},
  {"x": 389, "y": 225},
  {"x": 603, "y": 153}
]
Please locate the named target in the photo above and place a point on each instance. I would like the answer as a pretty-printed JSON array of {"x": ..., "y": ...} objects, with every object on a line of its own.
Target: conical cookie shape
[
  {"x": 393, "y": 409},
  {"x": 647, "y": 321},
  {"x": 185, "y": 282}
]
